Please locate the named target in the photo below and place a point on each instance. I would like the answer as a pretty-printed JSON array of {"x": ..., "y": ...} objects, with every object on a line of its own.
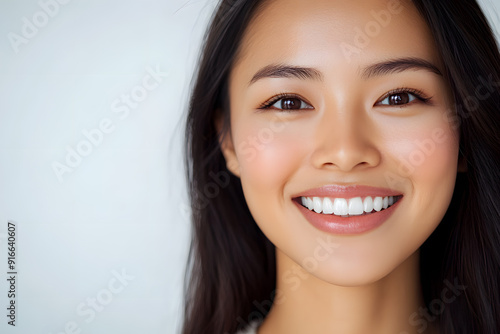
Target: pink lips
[{"x": 347, "y": 225}]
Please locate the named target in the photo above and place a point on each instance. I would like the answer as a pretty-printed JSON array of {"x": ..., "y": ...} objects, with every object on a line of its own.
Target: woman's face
[{"x": 336, "y": 105}]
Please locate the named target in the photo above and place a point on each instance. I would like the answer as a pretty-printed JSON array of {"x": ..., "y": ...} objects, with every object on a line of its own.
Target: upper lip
[{"x": 348, "y": 191}]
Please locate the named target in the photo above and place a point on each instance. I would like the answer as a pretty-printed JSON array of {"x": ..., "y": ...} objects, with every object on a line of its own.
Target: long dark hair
[{"x": 231, "y": 272}]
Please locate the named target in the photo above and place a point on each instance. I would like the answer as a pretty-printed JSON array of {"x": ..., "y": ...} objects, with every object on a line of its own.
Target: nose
[{"x": 346, "y": 140}]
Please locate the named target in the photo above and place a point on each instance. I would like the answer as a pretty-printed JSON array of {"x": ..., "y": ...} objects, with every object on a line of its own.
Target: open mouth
[{"x": 348, "y": 207}]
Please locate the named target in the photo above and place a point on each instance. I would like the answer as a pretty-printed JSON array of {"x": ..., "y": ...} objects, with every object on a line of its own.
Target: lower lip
[{"x": 347, "y": 225}]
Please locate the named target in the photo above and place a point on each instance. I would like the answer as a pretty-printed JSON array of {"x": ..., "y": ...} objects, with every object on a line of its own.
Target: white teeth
[
  {"x": 347, "y": 207},
  {"x": 317, "y": 204},
  {"x": 309, "y": 203},
  {"x": 356, "y": 206},
  {"x": 385, "y": 202},
  {"x": 377, "y": 203},
  {"x": 327, "y": 206},
  {"x": 340, "y": 207},
  {"x": 368, "y": 204}
]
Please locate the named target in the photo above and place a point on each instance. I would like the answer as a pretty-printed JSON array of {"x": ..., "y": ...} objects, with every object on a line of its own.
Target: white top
[{"x": 250, "y": 329}]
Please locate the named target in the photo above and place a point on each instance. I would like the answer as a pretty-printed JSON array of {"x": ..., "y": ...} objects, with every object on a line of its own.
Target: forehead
[{"x": 334, "y": 34}]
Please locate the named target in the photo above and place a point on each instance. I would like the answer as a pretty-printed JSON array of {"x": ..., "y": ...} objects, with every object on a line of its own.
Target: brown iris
[
  {"x": 400, "y": 98},
  {"x": 291, "y": 103}
]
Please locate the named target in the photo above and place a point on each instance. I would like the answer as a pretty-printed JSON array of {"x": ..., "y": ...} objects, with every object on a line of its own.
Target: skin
[{"x": 361, "y": 283}]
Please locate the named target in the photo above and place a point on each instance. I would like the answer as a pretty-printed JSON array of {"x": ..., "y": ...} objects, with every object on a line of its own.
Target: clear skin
[{"x": 344, "y": 133}]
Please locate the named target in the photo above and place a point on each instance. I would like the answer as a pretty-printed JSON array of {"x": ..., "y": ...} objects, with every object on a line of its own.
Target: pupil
[
  {"x": 290, "y": 103},
  {"x": 399, "y": 99}
]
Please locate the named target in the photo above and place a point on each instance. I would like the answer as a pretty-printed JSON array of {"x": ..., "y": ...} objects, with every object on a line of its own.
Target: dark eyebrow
[
  {"x": 399, "y": 65},
  {"x": 286, "y": 71},
  {"x": 381, "y": 68}
]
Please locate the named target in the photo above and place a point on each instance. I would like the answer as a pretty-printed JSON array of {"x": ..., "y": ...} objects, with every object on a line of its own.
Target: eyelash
[
  {"x": 415, "y": 92},
  {"x": 281, "y": 96}
]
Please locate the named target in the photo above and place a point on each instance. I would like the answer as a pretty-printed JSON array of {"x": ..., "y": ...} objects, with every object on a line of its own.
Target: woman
[{"x": 342, "y": 162}]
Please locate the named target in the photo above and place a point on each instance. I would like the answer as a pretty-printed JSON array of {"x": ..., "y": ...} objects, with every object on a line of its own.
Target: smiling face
[{"x": 337, "y": 106}]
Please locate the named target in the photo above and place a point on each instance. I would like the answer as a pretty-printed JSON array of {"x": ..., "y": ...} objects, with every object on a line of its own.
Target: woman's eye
[
  {"x": 398, "y": 99},
  {"x": 403, "y": 96},
  {"x": 288, "y": 103}
]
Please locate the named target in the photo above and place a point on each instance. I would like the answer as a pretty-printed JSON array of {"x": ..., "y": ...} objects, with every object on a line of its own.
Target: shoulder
[{"x": 250, "y": 329}]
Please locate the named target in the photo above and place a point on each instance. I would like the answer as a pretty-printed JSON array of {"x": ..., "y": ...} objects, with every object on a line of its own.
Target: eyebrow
[
  {"x": 382, "y": 68},
  {"x": 399, "y": 65},
  {"x": 287, "y": 71}
]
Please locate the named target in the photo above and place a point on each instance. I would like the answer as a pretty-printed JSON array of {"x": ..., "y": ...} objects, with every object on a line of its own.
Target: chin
[
  {"x": 363, "y": 270},
  {"x": 347, "y": 276}
]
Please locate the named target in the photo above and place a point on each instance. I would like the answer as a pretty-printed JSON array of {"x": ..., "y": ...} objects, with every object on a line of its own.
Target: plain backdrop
[{"x": 93, "y": 96}]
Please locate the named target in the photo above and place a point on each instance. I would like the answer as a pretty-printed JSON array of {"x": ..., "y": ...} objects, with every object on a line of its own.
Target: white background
[{"x": 123, "y": 206}]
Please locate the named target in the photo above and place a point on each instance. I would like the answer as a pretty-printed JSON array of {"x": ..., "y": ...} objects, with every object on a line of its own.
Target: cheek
[
  {"x": 268, "y": 154},
  {"x": 428, "y": 157},
  {"x": 427, "y": 163}
]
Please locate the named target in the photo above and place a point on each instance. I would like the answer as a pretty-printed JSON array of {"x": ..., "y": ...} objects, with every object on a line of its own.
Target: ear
[{"x": 226, "y": 144}]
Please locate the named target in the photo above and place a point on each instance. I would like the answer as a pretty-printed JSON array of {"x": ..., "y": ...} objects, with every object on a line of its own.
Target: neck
[{"x": 316, "y": 306}]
